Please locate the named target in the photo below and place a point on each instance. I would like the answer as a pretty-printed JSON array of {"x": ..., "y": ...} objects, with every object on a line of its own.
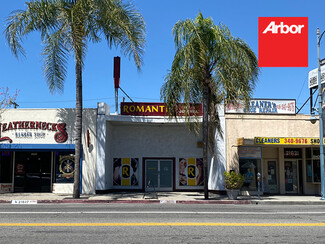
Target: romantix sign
[{"x": 157, "y": 109}]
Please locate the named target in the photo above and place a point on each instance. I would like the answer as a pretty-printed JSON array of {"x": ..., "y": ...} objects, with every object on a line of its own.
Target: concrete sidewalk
[{"x": 160, "y": 197}]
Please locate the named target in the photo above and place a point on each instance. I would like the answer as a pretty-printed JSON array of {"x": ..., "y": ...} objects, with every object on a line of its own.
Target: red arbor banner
[{"x": 283, "y": 41}]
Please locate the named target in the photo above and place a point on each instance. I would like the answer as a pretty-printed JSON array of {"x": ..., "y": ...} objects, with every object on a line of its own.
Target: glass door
[
  {"x": 152, "y": 175},
  {"x": 272, "y": 185},
  {"x": 32, "y": 172},
  {"x": 159, "y": 175},
  {"x": 166, "y": 174},
  {"x": 291, "y": 182}
]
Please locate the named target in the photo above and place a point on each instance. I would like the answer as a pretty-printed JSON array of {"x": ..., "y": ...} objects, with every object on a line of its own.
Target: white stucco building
[
  {"x": 138, "y": 152},
  {"x": 37, "y": 148},
  {"x": 146, "y": 151}
]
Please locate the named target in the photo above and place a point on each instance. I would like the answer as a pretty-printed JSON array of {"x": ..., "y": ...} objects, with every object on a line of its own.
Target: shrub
[{"x": 233, "y": 180}]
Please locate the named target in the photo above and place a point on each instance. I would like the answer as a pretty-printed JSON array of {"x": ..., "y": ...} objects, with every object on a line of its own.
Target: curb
[
  {"x": 155, "y": 201},
  {"x": 266, "y": 202},
  {"x": 213, "y": 202},
  {"x": 77, "y": 201}
]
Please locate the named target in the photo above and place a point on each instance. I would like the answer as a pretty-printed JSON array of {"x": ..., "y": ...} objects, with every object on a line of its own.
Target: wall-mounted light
[
  {"x": 240, "y": 141},
  {"x": 312, "y": 118},
  {"x": 199, "y": 144}
]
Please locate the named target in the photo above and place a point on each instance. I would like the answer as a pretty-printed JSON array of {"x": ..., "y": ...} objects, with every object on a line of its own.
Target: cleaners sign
[
  {"x": 263, "y": 106},
  {"x": 286, "y": 141}
]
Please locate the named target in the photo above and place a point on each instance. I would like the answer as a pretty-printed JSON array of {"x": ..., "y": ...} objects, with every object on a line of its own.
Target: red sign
[
  {"x": 117, "y": 71},
  {"x": 283, "y": 41},
  {"x": 157, "y": 109},
  {"x": 60, "y": 136}
]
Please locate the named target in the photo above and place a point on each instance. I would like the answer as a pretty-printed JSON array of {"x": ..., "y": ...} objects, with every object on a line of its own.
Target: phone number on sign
[
  {"x": 298, "y": 141},
  {"x": 306, "y": 141}
]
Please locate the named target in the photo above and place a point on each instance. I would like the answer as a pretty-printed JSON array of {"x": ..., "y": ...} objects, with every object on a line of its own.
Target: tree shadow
[{"x": 89, "y": 120}]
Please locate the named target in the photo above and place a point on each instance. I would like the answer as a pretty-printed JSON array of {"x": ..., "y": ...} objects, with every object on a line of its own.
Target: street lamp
[
  {"x": 313, "y": 119},
  {"x": 320, "y": 112}
]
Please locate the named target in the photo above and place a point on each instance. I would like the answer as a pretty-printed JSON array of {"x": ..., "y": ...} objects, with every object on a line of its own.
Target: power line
[
  {"x": 67, "y": 101},
  {"x": 85, "y": 100},
  {"x": 302, "y": 86}
]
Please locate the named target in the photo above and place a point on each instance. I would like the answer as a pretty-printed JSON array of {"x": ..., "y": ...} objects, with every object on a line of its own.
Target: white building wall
[
  {"x": 89, "y": 152},
  {"x": 101, "y": 182},
  {"x": 153, "y": 140},
  {"x": 218, "y": 161},
  {"x": 154, "y": 137},
  {"x": 58, "y": 116}
]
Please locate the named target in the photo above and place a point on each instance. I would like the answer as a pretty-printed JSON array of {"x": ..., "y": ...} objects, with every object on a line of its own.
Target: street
[{"x": 161, "y": 223}]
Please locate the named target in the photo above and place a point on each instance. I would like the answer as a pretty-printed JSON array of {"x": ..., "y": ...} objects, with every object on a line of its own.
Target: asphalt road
[{"x": 161, "y": 223}]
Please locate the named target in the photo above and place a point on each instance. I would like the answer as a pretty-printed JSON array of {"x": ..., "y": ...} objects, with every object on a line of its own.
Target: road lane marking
[
  {"x": 161, "y": 212},
  {"x": 161, "y": 224}
]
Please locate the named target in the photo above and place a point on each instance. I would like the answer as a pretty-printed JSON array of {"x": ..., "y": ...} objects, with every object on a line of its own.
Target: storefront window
[
  {"x": 316, "y": 152},
  {"x": 249, "y": 168},
  {"x": 191, "y": 172},
  {"x": 316, "y": 170},
  {"x": 125, "y": 171},
  {"x": 64, "y": 167},
  {"x": 312, "y": 165},
  {"x": 308, "y": 152},
  {"x": 309, "y": 170},
  {"x": 5, "y": 167},
  {"x": 272, "y": 177},
  {"x": 250, "y": 165}
]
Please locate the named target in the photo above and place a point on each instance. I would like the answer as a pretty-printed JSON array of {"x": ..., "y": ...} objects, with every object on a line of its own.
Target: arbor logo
[{"x": 283, "y": 41}]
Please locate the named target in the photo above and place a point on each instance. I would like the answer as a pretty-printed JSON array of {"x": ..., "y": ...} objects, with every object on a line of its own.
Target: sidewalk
[{"x": 160, "y": 197}]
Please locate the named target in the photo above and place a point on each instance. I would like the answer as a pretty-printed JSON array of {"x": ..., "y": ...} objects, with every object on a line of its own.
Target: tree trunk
[
  {"x": 78, "y": 130},
  {"x": 205, "y": 126}
]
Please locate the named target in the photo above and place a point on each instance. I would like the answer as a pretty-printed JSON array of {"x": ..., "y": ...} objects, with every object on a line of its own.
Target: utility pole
[{"x": 320, "y": 112}]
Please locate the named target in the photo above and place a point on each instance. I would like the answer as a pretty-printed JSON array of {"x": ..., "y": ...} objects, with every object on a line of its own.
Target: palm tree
[
  {"x": 210, "y": 67},
  {"x": 66, "y": 27}
]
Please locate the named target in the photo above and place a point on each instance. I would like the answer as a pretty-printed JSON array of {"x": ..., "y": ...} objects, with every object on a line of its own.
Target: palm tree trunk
[
  {"x": 78, "y": 128},
  {"x": 205, "y": 125}
]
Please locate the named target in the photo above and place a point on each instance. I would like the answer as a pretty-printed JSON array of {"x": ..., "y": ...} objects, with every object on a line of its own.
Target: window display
[
  {"x": 312, "y": 165},
  {"x": 191, "y": 172},
  {"x": 64, "y": 167},
  {"x": 249, "y": 169},
  {"x": 125, "y": 172}
]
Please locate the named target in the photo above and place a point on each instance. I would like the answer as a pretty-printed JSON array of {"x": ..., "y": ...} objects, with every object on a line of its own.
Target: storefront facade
[
  {"x": 143, "y": 150},
  {"x": 37, "y": 150},
  {"x": 149, "y": 151},
  {"x": 282, "y": 146}
]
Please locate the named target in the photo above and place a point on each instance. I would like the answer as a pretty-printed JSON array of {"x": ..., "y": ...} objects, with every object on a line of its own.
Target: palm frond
[
  {"x": 207, "y": 55},
  {"x": 14, "y": 32},
  {"x": 55, "y": 61},
  {"x": 39, "y": 16},
  {"x": 122, "y": 26}
]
